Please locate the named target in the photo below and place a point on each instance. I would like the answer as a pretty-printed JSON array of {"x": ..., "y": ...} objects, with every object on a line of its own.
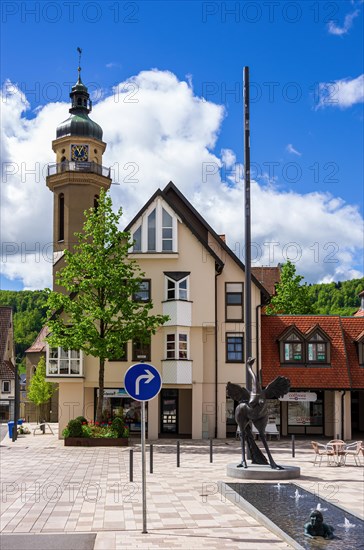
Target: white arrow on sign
[{"x": 148, "y": 378}]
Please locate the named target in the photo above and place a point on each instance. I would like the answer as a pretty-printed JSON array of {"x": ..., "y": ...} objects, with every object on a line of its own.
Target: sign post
[{"x": 143, "y": 382}]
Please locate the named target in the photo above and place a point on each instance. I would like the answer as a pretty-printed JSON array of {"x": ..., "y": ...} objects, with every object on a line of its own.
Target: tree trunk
[{"x": 101, "y": 390}]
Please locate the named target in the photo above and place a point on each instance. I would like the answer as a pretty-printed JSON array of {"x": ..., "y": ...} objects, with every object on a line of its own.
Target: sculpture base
[{"x": 263, "y": 471}]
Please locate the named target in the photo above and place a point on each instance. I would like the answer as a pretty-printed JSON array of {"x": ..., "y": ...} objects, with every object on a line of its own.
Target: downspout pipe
[
  {"x": 342, "y": 413},
  {"x": 218, "y": 272},
  {"x": 259, "y": 306}
]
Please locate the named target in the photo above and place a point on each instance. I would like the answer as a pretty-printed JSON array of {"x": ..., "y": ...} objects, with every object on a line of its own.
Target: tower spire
[{"x": 79, "y": 64}]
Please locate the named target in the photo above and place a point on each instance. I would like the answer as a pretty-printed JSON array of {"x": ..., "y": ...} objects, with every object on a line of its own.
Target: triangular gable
[
  {"x": 292, "y": 329},
  {"x": 317, "y": 328},
  {"x": 199, "y": 226}
]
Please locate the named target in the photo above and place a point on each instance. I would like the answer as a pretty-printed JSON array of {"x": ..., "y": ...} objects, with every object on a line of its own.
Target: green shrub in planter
[
  {"x": 82, "y": 419},
  {"x": 118, "y": 426},
  {"x": 75, "y": 428}
]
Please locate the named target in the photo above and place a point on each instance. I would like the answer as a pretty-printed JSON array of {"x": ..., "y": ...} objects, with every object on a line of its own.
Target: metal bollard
[
  {"x": 131, "y": 465},
  {"x": 151, "y": 458},
  {"x": 211, "y": 458},
  {"x": 178, "y": 457},
  {"x": 293, "y": 447}
]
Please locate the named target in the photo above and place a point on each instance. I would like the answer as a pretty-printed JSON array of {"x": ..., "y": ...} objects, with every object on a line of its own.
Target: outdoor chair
[
  {"x": 354, "y": 450},
  {"x": 321, "y": 451}
]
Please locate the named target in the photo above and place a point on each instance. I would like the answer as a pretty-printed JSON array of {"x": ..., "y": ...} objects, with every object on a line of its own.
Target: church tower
[{"x": 78, "y": 175}]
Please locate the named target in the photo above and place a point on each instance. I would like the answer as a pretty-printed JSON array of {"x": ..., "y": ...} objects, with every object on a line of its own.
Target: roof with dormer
[{"x": 343, "y": 372}]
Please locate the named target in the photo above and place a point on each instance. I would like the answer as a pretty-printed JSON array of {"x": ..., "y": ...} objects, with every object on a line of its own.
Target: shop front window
[{"x": 305, "y": 417}]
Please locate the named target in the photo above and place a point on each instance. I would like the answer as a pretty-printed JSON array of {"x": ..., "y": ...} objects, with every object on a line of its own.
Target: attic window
[
  {"x": 156, "y": 230},
  {"x": 291, "y": 347},
  {"x": 318, "y": 346}
]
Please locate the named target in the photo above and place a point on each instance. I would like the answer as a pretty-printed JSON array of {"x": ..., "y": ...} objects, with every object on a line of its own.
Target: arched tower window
[
  {"x": 96, "y": 202},
  {"x": 61, "y": 217}
]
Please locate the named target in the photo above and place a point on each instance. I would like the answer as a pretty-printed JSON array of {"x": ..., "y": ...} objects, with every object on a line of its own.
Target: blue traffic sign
[{"x": 142, "y": 382}]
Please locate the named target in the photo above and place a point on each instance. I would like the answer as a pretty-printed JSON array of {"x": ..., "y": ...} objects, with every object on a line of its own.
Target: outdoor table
[{"x": 339, "y": 449}]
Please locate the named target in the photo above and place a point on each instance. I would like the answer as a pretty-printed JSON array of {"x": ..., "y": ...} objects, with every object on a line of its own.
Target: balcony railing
[{"x": 75, "y": 166}]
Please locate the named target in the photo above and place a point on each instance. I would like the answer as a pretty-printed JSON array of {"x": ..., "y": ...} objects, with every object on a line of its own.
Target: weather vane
[{"x": 79, "y": 60}]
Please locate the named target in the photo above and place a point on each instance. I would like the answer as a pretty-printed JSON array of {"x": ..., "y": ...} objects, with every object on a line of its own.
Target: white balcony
[
  {"x": 179, "y": 311},
  {"x": 176, "y": 372}
]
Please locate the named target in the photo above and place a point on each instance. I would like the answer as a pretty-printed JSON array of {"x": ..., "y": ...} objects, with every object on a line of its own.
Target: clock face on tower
[{"x": 79, "y": 152}]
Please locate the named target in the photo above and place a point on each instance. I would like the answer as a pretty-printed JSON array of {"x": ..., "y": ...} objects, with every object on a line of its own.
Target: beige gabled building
[{"x": 191, "y": 275}]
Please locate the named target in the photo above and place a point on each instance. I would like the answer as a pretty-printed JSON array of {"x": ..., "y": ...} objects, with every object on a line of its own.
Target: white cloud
[
  {"x": 292, "y": 150},
  {"x": 333, "y": 28},
  {"x": 157, "y": 130},
  {"x": 113, "y": 65},
  {"x": 341, "y": 93}
]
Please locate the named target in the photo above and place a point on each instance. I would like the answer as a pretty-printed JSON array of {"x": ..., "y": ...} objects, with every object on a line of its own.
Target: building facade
[
  {"x": 7, "y": 364},
  {"x": 323, "y": 356},
  {"x": 191, "y": 275}
]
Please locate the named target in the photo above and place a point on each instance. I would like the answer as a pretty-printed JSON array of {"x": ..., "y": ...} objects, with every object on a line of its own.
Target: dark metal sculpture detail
[
  {"x": 317, "y": 528},
  {"x": 253, "y": 408}
]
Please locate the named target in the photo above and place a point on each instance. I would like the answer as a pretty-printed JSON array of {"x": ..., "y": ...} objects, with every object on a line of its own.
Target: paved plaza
[{"x": 73, "y": 498}]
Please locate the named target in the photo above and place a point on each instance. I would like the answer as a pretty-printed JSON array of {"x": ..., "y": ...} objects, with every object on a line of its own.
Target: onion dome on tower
[{"x": 79, "y": 123}]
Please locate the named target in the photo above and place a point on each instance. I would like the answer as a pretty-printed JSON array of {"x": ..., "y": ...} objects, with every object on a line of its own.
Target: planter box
[{"x": 96, "y": 442}]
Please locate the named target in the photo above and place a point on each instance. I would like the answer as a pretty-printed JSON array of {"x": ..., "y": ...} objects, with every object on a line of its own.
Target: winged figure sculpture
[{"x": 253, "y": 408}]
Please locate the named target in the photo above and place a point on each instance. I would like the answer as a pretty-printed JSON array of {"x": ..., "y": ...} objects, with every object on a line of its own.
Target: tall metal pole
[
  {"x": 144, "y": 487},
  {"x": 16, "y": 403},
  {"x": 247, "y": 294}
]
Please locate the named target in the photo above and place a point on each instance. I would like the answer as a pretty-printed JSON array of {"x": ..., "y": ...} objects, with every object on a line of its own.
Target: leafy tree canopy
[
  {"x": 29, "y": 309},
  {"x": 291, "y": 296},
  {"x": 40, "y": 391},
  {"x": 96, "y": 311}
]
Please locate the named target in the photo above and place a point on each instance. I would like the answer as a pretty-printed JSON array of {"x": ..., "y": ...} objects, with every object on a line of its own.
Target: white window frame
[
  {"x": 3, "y": 382},
  {"x": 177, "y": 289},
  {"x": 56, "y": 360},
  {"x": 177, "y": 341},
  {"x": 158, "y": 206}
]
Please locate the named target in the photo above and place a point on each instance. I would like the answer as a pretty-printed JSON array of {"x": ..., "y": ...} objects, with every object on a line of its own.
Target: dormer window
[
  {"x": 318, "y": 346},
  {"x": 157, "y": 230},
  {"x": 360, "y": 347},
  {"x": 291, "y": 345}
]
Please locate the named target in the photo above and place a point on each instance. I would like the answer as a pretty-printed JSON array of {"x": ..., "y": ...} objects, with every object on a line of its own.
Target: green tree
[
  {"x": 40, "y": 391},
  {"x": 291, "y": 296},
  {"x": 96, "y": 311}
]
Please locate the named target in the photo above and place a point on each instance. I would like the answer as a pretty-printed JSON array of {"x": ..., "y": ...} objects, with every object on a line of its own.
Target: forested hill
[
  {"x": 29, "y": 309},
  {"x": 337, "y": 298}
]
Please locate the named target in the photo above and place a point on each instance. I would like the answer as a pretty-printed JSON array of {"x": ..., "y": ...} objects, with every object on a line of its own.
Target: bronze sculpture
[
  {"x": 253, "y": 408},
  {"x": 317, "y": 528}
]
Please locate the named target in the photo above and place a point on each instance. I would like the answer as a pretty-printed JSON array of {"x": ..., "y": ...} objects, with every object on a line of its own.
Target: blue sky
[{"x": 306, "y": 67}]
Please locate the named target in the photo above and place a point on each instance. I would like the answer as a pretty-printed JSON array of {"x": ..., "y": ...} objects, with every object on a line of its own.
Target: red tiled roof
[
  {"x": 6, "y": 314},
  {"x": 344, "y": 371},
  {"x": 7, "y": 370},
  {"x": 268, "y": 277},
  {"x": 39, "y": 343},
  {"x": 353, "y": 330}
]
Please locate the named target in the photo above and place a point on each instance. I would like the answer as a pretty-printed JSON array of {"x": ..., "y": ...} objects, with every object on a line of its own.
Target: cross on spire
[{"x": 79, "y": 62}]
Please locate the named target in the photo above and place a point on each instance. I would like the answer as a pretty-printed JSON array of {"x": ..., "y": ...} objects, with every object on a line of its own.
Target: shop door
[{"x": 169, "y": 411}]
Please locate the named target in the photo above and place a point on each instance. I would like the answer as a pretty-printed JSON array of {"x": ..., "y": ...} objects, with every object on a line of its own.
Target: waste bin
[{"x": 11, "y": 426}]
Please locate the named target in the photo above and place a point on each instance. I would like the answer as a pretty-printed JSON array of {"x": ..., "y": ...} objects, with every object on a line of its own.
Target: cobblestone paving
[{"x": 48, "y": 488}]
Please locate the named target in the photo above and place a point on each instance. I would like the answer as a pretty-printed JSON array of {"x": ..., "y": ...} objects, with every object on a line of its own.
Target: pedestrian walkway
[{"x": 49, "y": 489}]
